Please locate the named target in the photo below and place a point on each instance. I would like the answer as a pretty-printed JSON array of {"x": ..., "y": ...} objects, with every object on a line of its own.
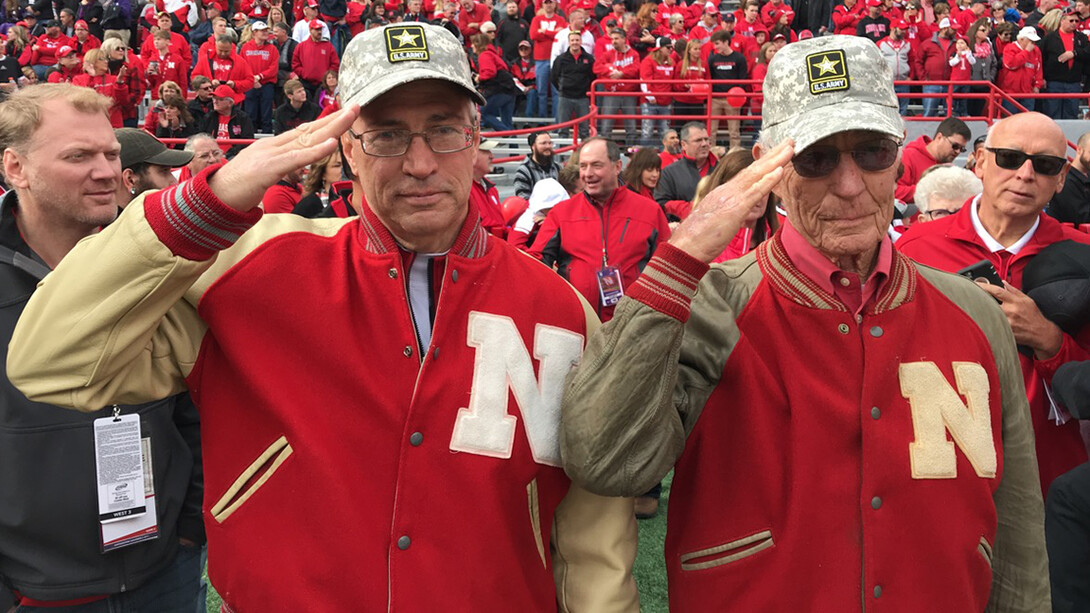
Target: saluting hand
[
  {"x": 242, "y": 181},
  {"x": 715, "y": 220}
]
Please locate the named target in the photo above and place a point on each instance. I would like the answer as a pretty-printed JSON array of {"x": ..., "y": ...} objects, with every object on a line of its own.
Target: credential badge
[{"x": 406, "y": 43}]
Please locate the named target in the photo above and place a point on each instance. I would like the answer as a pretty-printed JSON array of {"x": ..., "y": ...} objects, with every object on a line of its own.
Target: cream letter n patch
[
  {"x": 937, "y": 408},
  {"x": 501, "y": 361}
]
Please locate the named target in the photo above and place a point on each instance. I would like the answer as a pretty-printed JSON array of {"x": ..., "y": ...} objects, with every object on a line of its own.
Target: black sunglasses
[
  {"x": 820, "y": 160},
  {"x": 1012, "y": 159}
]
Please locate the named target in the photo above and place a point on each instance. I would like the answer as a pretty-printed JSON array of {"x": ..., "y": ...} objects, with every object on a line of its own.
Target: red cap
[
  {"x": 65, "y": 51},
  {"x": 239, "y": 16},
  {"x": 874, "y": 3},
  {"x": 710, "y": 9},
  {"x": 315, "y": 24},
  {"x": 81, "y": 25},
  {"x": 225, "y": 91},
  {"x": 899, "y": 23},
  {"x": 312, "y": 3}
]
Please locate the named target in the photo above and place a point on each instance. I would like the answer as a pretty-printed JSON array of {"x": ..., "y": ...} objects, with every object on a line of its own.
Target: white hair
[{"x": 948, "y": 182}]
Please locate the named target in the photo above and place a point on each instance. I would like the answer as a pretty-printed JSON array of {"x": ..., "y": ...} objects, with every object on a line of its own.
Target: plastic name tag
[
  {"x": 135, "y": 528},
  {"x": 609, "y": 285},
  {"x": 119, "y": 465}
]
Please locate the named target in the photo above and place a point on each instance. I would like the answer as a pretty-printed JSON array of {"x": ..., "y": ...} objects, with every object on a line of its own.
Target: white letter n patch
[
  {"x": 937, "y": 408},
  {"x": 502, "y": 361}
]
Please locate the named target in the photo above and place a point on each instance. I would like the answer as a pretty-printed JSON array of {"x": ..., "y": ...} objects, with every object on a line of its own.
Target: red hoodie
[
  {"x": 915, "y": 159},
  {"x": 627, "y": 62},
  {"x": 652, "y": 74},
  {"x": 264, "y": 60},
  {"x": 1021, "y": 70},
  {"x": 542, "y": 31}
]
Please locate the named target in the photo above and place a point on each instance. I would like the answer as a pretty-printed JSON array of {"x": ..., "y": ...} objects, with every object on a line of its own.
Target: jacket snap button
[
  {"x": 416, "y": 438},
  {"x": 393, "y": 273},
  {"x": 454, "y": 276},
  {"x": 403, "y": 543},
  {"x": 408, "y": 351},
  {"x": 876, "y": 331},
  {"x": 843, "y": 328}
]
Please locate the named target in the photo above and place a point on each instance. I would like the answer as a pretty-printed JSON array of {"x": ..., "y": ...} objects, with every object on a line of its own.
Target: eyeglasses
[
  {"x": 819, "y": 160},
  {"x": 214, "y": 154},
  {"x": 939, "y": 213},
  {"x": 957, "y": 147},
  {"x": 1013, "y": 159},
  {"x": 392, "y": 143}
]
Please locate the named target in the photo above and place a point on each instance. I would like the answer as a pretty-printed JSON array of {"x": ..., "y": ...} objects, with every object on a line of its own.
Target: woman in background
[
  {"x": 762, "y": 221},
  {"x": 643, "y": 172}
]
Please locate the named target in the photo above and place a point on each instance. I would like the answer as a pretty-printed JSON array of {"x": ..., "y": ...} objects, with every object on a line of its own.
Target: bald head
[{"x": 1015, "y": 188}]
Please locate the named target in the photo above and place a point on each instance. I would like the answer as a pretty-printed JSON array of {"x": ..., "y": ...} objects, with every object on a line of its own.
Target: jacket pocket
[
  {"x": 985, "y": 550},
  {"x": 727, "y": 552},
  {"x": 255, "y": 475},
  {"x": 535, "y": 519}
]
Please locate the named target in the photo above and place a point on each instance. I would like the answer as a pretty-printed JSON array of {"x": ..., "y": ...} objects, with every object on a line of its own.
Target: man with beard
[
  {"x": 511, "y": 31},
  {"x": 146, "y": 164},
  {"x": 951, "y": 138},
  {"x": 671, "y": 148},
  {"x": 538, "y": 165}
]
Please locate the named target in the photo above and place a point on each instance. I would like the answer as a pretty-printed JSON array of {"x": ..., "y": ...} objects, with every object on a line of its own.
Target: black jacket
[
  {"x": 1072, "y": 203},
  {"x": 572, "y": 76},
  {"x": 509, "y": 33},
  {"x": 239, "y": 126},
  {"x": 49, "y": 530},
  {"x": 1052, "y": 47}
]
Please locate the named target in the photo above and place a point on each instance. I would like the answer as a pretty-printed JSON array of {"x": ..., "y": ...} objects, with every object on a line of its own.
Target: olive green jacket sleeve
[{"x": 1019, "y": 559}]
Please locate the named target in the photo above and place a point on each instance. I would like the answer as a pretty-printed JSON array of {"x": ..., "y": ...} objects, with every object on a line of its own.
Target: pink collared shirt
[{"x": 844, "y": 285}]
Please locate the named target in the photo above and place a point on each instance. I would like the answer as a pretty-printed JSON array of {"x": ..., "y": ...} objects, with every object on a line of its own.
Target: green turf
[{"x": 650, "y": 570}]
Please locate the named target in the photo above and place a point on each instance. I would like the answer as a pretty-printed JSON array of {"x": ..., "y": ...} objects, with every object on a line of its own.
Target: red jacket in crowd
[
  {"x": 234, "y": 69},
  {"x": 933, "y": 60},
  {"x": 626, "y": 62},
  {"x": 694, "y": 72},
  {"x": 542, "y": 32},
  {"x": 167, "y": 68},
  {"x": 111, "y": 87},
  {"x": 915, "y": 159},
  {"x": 490, "y": 63},
  {"x": 626, "y": 227},
  {"x": 846, "y": 19},
  {"x": 475, "y": 16},
  {"x": 44, "y": 49},
  {"x": 1021, "y": 71},
  {"x": 653, "y": 74},
  {"x": 263, "y": 60},
  {"x": 178, "y": 44},
  {"x": 312, "y": 59},
  {"x": 64, "y": 75}
]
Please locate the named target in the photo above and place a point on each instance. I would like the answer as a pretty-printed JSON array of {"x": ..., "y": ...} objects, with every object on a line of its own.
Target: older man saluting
[
  {"x": 1022, "y": 166},
  {"x": 422, "y": 472},
  {"x": 834, "y": 450}
]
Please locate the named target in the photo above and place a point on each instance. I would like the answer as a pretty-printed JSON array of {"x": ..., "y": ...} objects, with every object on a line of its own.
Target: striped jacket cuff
[
  {"x": 192, "y": 222},
  {"x": 669, "y": 281}
]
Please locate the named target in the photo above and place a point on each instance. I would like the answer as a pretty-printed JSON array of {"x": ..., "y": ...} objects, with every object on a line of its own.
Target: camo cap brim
[
  {"x": 822, "y": 86},
  {"x": 378, "y": 60}
]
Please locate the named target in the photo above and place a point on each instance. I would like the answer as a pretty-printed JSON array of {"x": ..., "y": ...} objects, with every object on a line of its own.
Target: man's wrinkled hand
[
  {"x": 715, "y": 220},
  {"x": 242, "y": 182},
  {"x": 1030, "y": 327}
]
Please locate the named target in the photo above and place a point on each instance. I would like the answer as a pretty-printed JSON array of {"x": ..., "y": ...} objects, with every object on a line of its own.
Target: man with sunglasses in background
[
  {"x": 951, "y": 138},
  {"x": 1022, "y": 165},
  {"x": 402, "y": 454},
  {"x": 834, "y": 450}
]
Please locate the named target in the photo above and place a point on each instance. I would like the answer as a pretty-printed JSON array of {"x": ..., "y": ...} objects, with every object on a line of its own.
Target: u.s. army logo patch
[
  {"x": 406, "y": 43},
  {"x": 827, "y": 72}
]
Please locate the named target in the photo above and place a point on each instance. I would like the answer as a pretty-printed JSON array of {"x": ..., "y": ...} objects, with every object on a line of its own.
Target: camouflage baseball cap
[
  {"x": 381, "y": 59},
  {"x": 822, "y": 86}
]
